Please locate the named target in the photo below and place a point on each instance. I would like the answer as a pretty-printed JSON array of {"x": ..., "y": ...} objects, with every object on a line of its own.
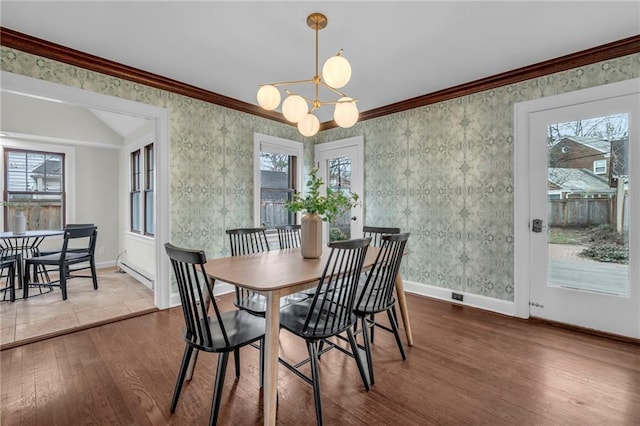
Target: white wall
[
  {"x": 97, "y": 197},
  {"x": 92, "y": 191},
  {"x": 32, "y": 116}
]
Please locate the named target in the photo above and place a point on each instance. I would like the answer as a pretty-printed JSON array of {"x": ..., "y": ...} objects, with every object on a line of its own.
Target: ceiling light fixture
[{"x": 296, "y": 108}]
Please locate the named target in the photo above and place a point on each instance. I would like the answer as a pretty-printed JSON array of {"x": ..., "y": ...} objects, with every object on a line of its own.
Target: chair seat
[
  {"x": 293, "y": 316},
  {"x": 54, "y": 259},
  {"x": 241, "y": 328},
  {"x": 257, "y": 304},
  {"x": 369, "y": 307}
]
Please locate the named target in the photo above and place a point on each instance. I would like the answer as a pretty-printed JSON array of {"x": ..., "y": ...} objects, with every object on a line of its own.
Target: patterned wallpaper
[{"x": 443, "y": 172}]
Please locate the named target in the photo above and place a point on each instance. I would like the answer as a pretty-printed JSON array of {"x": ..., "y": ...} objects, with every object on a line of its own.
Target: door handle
[
  {"x": 536, "y": 225},
  {"x": 354, "y": 218}
]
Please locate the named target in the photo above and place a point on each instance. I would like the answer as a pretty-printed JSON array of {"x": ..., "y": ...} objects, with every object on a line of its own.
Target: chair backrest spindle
[
  {"x": 195, "y": 293},
  {"x": 377, "y": 293},
  {"x": 332, "y": 305}
]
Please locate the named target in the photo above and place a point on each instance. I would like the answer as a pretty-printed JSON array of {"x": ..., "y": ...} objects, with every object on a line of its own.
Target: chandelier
[{"x": 296, "y": 108}]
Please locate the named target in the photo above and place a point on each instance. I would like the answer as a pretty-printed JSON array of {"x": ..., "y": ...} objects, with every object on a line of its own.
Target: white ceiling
[{"x": 398, "y": 50}]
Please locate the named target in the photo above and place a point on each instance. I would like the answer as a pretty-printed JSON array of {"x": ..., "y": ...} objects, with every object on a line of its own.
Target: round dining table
[{"x": 24, "y": 245}]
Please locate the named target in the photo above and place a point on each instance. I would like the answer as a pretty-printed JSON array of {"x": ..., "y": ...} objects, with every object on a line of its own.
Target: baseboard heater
[{"x": 136, "y": 274}]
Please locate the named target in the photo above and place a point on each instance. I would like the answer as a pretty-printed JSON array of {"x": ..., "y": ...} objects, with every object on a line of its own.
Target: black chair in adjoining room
[
  {"x": 330, "y": 312},
  {"x": 376, "y": 295},
  {"x": 8, "y": 268},
  {"x": 220, "y": 332},
  {"x": 69, "y": 256}
]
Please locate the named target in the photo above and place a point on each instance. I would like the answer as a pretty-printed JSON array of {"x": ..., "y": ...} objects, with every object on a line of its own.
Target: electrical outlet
[{"x": 457, "y": 296}]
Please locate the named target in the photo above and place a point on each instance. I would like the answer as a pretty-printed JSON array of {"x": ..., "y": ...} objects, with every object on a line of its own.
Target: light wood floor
[
  {"x": 41, "y": 316},
  {"x": 467, "y": 367}
]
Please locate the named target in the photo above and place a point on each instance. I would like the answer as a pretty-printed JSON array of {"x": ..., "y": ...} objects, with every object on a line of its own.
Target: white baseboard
[
  {"x": 474, "y": 300},
  {"x": 146, "y": 281}
]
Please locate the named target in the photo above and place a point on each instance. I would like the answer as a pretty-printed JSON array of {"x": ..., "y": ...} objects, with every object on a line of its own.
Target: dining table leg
[
  {"x": 404, "y": 312},
  {"x": 272, "y": 329}
]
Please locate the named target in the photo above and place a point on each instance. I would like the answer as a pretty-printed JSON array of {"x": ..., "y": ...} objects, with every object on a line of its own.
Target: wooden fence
[
  {"x": 39, "y": 217},
  {"x": 580, "y": 212}
]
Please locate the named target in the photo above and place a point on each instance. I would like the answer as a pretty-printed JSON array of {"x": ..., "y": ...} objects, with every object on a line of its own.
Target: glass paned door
[
  {"x": 339, "y": 180},
  {"x": 584, "y": 163},
  {"x": 340, "y": 167}
]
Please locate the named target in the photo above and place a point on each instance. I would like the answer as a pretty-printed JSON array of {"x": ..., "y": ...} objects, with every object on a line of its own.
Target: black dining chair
[
  {"x": 288, "y": 236},
  {"x": 65, "y": 259},
  {"x": 377, "y": 232},
  {"x": 376, "y": 295},
  {"x": 220, "y": 332},
  {"x": 79, "y": 267},
  {"x": 330, "y": 311},
  {"x": 244, "y": 241},
  {"x": 8, "y": 273}
]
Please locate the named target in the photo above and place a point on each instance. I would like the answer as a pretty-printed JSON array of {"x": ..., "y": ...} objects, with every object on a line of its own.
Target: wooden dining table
[{"x": 276, "y": 274}]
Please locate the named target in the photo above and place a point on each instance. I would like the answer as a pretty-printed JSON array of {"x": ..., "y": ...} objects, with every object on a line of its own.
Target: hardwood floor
[{"x": 467, "y": 367}]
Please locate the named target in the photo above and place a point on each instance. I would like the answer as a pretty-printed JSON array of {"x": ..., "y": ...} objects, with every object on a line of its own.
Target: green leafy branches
[{"x": 327, "y": 206}]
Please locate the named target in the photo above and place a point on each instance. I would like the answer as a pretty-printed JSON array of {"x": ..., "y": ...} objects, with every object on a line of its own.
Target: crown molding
[
  {"x": 600, "y": 53},
  {"x": 36, "y": 46}
]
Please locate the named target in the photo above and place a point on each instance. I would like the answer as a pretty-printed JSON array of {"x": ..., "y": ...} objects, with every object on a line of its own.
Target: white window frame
[
  {"x": 140, "y": 145},
  {"x": 69, "y": 153},
  {"x": 266, "y": 143},
  {"x": 598, "y": 164}
]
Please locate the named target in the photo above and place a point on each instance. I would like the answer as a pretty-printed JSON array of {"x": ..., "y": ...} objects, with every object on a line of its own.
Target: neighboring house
[
  {"x": 47, "y": 176},
  {"x": 577, "y": 183},
  {"x": 575, "y": 152}
]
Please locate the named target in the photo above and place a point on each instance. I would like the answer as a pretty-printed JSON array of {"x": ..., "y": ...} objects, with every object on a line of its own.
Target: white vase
[
  {"x": 311, "y": 236},
  {"x": 19, "y": 223}
]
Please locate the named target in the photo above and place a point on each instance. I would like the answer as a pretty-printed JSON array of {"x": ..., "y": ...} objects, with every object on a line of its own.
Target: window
[
  {"x": 34, "y": 182},
  {"x": 149, "y": 220},
  {"x": 142, "y": 191},
  {"x": 277, "y": 185},
  {"x": 278, "y": 174},
  {"x": 600, "y": 167},
  {"x": 135, "y": 191}
]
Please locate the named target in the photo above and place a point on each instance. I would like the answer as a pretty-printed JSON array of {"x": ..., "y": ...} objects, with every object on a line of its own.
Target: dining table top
[
  {"x": 32, "y": 234},
  {"x": 274, "y": 269}
]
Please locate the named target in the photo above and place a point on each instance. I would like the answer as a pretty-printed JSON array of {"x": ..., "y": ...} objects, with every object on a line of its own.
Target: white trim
[
  {"x": 345, "y": 147},
  {"x": 473, "y": 300},
  {"x": 60, "y": 141},
  {"x": 274, "y": 144},
  {"x": 28, "y": 86},
  {"x": 522, "y": 196}
]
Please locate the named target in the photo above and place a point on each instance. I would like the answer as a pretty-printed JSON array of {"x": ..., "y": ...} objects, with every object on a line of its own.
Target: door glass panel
[
  {"x": 339, "y": 179},
  {"x": 588, "y": 205}
]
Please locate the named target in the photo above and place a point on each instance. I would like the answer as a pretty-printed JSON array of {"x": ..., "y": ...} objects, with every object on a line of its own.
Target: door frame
[
  {"x": 358, "y": 143},
  {"x": 522, "y": 196},
  {"x": 29, "y": 86}
]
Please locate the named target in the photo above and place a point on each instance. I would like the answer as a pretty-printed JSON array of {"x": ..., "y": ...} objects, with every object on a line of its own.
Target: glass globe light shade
[
  {"x": 336, "y": 72},
  {"x": 346, "y": 112},
  {"x": 294, "y": 108},
  {"x": 268, "y": 97},
  {"x": 309, "y": 125}
]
